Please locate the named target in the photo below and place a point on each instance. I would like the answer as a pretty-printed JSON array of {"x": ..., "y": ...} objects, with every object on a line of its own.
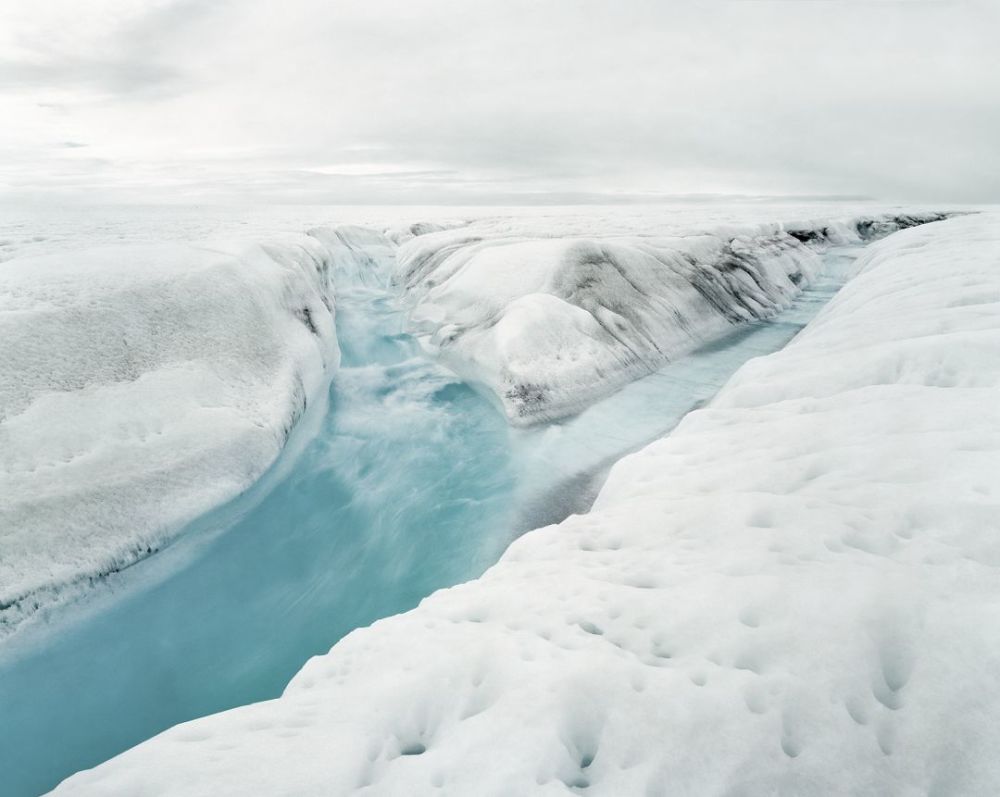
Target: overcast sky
[{"x": 435, "y": 102}]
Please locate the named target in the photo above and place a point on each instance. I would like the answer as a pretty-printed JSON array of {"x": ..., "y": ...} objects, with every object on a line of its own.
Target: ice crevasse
[{"x": 794, "y": 592}]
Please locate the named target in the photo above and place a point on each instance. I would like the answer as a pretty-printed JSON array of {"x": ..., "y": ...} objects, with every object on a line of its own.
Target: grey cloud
[
  {"x": 122, "y": 77},
  {"x": 486, "y": 101},
  {"x": 134, "y": 61}
]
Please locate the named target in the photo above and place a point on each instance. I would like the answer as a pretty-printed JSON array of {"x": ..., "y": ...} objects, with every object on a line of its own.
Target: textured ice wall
[
  {"x": 794, "y": 593},
  {"x": 359, "y": 256},
  {"x": 551, "y": 325},
  {"x": 141, "y": 386}
]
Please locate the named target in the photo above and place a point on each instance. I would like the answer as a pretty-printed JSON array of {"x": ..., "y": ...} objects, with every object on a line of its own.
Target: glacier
[
  {"x": 411, "y": 482},
  {"x": 210, "y": 352},
  {"x": 549, "y": 325},
  {"x": 794, "y": 591},
  {"x": 539, "y": 474}
]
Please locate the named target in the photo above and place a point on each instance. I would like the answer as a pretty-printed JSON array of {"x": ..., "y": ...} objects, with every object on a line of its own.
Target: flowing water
[{"x": 405, "y": 482}]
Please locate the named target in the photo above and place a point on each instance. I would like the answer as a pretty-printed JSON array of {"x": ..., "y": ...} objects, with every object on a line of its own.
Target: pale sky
[{"x": 455, "y": 102}]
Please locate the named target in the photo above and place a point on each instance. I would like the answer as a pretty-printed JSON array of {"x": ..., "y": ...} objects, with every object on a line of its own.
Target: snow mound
[
  {"x": 549, "y": 326},
  {"x": 141, "y": 386},
  {"x": 794, "y": 593}
]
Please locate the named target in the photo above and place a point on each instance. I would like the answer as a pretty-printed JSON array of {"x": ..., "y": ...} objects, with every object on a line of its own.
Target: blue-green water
[
  {"x": 410, "y": 482},
  {"x": 404, "y": 489}
]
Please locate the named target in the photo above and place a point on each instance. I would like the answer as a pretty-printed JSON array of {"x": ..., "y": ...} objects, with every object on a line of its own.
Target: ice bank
[
  {"x": 141, "y": 386},
  {"x": 549, "y": 325},
  {"x": 795, "y": 592}
]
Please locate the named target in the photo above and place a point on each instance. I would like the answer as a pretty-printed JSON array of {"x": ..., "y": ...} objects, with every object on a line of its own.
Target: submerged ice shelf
[{"x": 413, "y": 482}]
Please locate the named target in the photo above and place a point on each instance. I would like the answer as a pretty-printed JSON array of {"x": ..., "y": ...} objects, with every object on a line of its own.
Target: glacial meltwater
[{"x": 405, "y": 482}]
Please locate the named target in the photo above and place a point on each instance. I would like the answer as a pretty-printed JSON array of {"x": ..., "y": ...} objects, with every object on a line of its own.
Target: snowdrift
[
  {"x": 141, "y": 386},
  {"x": 549, "y": 326},
  {"x": 795, "y": 592}
]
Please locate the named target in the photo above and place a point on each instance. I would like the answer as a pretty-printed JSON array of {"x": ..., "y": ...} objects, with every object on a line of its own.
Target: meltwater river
[{"x": 407, "y": 481}]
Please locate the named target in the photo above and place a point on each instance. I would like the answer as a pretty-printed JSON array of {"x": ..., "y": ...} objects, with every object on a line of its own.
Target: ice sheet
[{"x": 795, "y": 591}]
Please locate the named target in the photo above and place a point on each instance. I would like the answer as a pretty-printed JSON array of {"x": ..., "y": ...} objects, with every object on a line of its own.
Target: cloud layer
[{"x": 466, "y": 101}]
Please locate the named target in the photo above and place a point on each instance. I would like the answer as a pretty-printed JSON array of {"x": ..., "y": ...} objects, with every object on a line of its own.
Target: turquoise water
[{"x": 410, "y": 481}]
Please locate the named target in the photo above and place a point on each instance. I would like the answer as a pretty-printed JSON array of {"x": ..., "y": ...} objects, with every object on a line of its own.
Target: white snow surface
[
  {"x": 141, "y": 386},
  {"x": 795, "y": 592},
  {"x": 548, "y": 325}
]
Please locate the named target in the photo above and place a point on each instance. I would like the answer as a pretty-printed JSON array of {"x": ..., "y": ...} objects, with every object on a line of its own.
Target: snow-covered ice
[
  {"x": 794, "y": 592},
  {"x": 549, "y": 325},
  {"x": 206, "y": 356},
  {"x": 408, "y": 484},
  {"x": 29, "y": 230},
  {"x": 209, "y": 352}
]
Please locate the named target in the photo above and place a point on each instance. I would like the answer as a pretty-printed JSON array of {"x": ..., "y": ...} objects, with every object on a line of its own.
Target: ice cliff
[{"x": 795, "y": 592}]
